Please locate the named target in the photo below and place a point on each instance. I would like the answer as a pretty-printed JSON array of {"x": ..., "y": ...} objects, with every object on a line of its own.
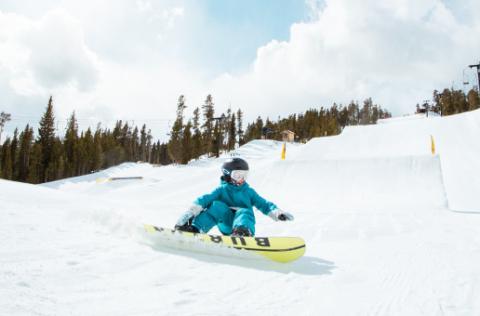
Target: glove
[
  {"x": 193, "y": 211},
  {"x": 279, "y": 215}
]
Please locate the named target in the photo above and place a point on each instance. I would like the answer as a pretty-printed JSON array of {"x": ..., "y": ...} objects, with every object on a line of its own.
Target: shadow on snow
[{"x": 306, "y": 265}]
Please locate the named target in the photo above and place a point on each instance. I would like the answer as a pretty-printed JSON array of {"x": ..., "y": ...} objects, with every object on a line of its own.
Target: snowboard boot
[
  {"x": 241, "y": 232},
  {"x": 187, "y": 227}
]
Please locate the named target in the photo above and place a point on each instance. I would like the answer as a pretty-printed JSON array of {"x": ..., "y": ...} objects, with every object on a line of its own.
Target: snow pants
[{"x": 225, "y": 218}]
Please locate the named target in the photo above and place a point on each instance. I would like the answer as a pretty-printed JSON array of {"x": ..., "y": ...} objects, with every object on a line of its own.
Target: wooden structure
[{"x": 288, "y": 136}]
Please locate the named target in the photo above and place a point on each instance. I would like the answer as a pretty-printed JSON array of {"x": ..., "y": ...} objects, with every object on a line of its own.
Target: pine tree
[
  {"x": 222, "y": 132},
  {"x": 187, "y": 143},
  {"x": 217, "y": 139},
  {"x": 35, "y": 168},
  {"x": 71, "y": 143},
  {"x": 232, "y": 133},
  {"x": 208, "y": 125},
  {"x": 473, "y": 100},
  {"x": 365, "y": 112},
  {"x": 117, "y": 131},
  {"x": 197, "y": 150},
  {"x": 176, "y": 135},
  {"x": 56, "y": 168},
  {"x": 239, "y": 127},
  {"x": 46, "y": 140},
  {"x": 459, "y": 101},
  {"x": 353, "y": 114},
  {"x": 258, "y": 128},
  {"x": 143, "y": 144},
  {"x": 127, "y": 142},
  {"x": 149, "y": 144},
  {"x": 112, "y": 145},
  {"x": 448, "y": 107},
  {"x": 24, "y": 154},
  {"x": 14, "y": 154},
  {"x": 82, "y": 155},
  {"x": 97, "y": 153},
  {"x": 437, "y": 108},
  {"x": 4, "y": 118},
  {"x": 343, "y": 117},
  {"x": 154, "y": 157},
  {"x": 164, "y": 156},
  {"x": 7, "y": 166},
  {"x": 452, "y": 101},
  {"x": 89, "y": 145},
  {"x": 375, "y": 115}
]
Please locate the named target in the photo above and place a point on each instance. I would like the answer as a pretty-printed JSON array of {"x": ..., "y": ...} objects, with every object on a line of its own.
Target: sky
[{"x": 131, "y": 59}]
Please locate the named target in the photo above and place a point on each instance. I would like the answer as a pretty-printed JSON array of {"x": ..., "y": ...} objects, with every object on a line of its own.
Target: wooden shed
[{"x": 288, "y": 136}]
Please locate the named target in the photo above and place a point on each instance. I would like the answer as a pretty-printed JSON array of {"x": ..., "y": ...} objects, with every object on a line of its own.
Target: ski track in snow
[{"x": 373, "y": 204}]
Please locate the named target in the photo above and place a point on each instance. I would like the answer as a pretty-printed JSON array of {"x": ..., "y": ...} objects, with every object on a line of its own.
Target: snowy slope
[
  {"x": 456, "y": 144},
  {"x": 373, "y": 204}
]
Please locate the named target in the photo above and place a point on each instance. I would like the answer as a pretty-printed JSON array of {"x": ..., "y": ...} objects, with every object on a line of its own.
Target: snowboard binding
[
  {"x": 241, "y": 232},
  {"x": 187, "y": 227}
]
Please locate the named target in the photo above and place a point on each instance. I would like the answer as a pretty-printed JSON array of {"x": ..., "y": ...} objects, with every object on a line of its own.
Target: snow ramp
[
  {"x": 392, "y": 165},
  {"x": 354, "y": 184}
]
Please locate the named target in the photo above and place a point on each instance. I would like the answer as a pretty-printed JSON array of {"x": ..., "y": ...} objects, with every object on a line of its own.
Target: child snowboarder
[{"x": 230, "y": 206}]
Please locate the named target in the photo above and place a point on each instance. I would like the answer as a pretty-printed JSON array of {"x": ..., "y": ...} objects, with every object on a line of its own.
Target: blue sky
[{"x": 244, "y": 26}]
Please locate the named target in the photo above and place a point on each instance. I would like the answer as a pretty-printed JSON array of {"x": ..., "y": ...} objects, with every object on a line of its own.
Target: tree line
[
  {"x": 221, "y": 133},
  {"x": 451, "y": 101},
  {"x": 206, "y": 133},
  {"x": 318, "y": 122},
  {"x": 49, "y": 157},
  {"x": 46, "y": 156}
]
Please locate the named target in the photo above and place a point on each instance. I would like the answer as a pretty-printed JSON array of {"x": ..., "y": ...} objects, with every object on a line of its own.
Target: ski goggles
[{"x": 239, "y": 176}]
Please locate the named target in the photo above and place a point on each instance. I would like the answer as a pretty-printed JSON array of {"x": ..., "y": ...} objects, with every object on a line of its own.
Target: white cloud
[
  {"x": 106, "y": 62},
  {"x": 45, "y": 54},
  {"x": 144, "y": 6},
  {"x": 58, "y": 53},
  {"x": 395, "y": 51},
  {"x": 171, "y": 15},
  {"x": 48, "y": 55}
]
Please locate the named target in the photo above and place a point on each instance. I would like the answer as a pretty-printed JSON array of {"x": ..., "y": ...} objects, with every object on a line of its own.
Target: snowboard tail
[{"x": 279, "y": 249}]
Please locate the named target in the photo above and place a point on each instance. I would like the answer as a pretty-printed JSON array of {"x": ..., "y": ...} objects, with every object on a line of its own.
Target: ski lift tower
[{"x": 478, "y": 73}]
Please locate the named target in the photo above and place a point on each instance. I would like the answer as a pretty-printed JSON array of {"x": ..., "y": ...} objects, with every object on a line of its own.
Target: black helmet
[{"x": 233, "y": 164}]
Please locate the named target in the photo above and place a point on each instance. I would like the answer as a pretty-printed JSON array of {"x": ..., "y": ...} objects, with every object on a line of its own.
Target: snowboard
[{"x": 279, "y": 249}]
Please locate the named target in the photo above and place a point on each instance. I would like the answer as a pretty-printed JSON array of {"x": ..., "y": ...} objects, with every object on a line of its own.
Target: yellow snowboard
[{"x": 279, "y": 249}]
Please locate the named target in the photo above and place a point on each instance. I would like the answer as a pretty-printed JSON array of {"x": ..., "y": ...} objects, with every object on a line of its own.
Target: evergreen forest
[{"x": 42, "y": 155}]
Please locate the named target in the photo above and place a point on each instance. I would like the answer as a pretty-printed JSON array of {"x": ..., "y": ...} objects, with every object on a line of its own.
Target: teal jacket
[{"x": 242, "y": 196}]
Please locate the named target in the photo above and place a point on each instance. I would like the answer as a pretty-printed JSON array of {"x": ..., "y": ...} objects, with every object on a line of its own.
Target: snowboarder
[{"x": 229, "y": 206}]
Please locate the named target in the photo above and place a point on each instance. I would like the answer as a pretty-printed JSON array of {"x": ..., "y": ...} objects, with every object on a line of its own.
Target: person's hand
[
  {"x": 279, "y": 215},
  {"x": 193, "y": 211}
]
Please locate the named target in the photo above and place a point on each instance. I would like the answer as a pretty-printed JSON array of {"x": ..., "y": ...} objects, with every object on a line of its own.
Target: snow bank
[
  {"x": 348, "y": 184},
  {"x": 455, "y": 140}
]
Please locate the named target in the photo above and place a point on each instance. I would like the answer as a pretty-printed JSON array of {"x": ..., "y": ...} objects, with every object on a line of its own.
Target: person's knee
[
  {"x": 219, "y": 205},
  {"x": 218, "y": 209},
  {"x": 246, "y": 213},
  {"x": 244, "y": 217}
]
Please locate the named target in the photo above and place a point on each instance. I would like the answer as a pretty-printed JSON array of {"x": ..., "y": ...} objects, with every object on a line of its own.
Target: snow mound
[{"x": 455, "y": 142}]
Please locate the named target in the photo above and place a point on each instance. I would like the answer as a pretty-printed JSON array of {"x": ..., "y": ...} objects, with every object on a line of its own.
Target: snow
[
  {"x": 408, "y": 117},
  {"x": 391, "y": 229}
]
